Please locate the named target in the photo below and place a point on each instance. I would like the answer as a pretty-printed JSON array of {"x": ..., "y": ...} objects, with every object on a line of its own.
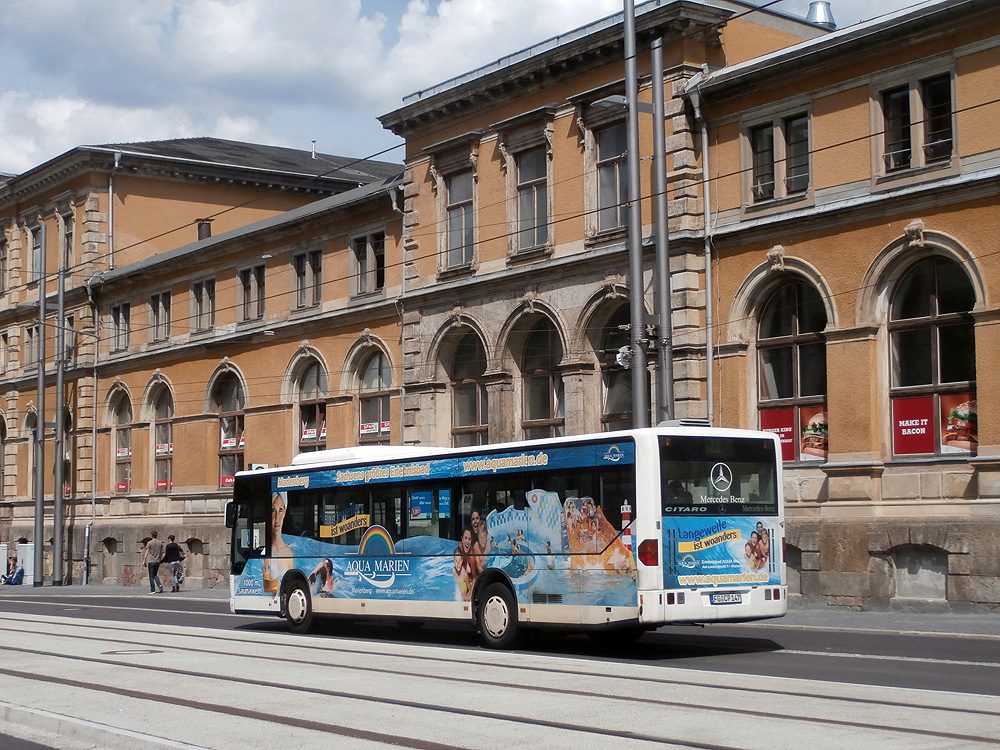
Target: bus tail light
[{"x": 649, "y": 554}]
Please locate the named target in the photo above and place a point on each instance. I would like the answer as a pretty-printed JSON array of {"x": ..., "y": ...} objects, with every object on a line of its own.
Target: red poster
[
  {"x": 814, "y": 439},
  {"x": 782, "y": 423},
  {"x": 959, "y": 423},
  {"x": 913, "y": 425}
]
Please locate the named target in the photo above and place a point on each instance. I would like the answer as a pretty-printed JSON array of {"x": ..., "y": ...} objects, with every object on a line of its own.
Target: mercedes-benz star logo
[{"x": 722, "y": 477}]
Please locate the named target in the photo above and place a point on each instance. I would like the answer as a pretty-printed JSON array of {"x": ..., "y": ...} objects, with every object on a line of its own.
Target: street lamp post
[
  {"x": 637, "y": 307},
  {"x": 38, "y": 531}
]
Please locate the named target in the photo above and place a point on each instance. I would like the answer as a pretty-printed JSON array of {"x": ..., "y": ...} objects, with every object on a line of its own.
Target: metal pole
[
  {"x": 39, "y": 527},
  {"x": 636, "y": 297},
  {"x": 665, "y": 363},
  {"x": 58, "y": 521}
]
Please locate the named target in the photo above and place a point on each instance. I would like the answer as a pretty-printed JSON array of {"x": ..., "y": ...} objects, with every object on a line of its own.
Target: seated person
[{"x": 15, "y": 573}]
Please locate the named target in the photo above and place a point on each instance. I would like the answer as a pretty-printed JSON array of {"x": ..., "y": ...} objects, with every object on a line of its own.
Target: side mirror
[{"x": 230, "y": 515}]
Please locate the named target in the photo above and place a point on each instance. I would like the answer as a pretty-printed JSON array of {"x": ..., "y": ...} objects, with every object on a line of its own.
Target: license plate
[{"x": 726, "y": 598}]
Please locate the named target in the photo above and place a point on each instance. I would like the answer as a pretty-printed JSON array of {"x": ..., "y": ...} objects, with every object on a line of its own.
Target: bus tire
[
  {"x": 498, "y": 617},
  {"x": 298, "y": 607}
]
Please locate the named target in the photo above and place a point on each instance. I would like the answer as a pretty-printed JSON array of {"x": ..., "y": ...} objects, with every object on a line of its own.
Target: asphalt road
[{"x": 819, "y": 655}]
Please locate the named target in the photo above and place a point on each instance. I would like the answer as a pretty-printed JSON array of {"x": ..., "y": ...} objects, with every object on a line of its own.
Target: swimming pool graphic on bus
[
  {"x": 719, "y": 551},
  {"x": 543, "y": 550}
]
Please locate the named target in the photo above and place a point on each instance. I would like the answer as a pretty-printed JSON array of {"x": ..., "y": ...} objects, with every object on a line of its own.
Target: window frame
[
  {"x": 368, "y": 260},
  {"x": 796, "y": 340},
  {"x": 159, "y": 316},
  {"x": 469, "y": 378},
  {"x": 460, "y": 211},
  {"x": 232, "y": 439},
  {"x": 380, "y": 397},
  {"x": 911, "y": 88},
  {"x": 253, "y": 286},
  {"x": 307, "y": 268},
  {"x": 120, "y": 314},
  {"x": 615, "y": 164},
  {"x": 203, "y": 304},
  {"x": 122, "y": 431},
  {"x": 314, "y": 404},
  {"x": 163, "y": 441},
  {"x": 781, "y": 162}
]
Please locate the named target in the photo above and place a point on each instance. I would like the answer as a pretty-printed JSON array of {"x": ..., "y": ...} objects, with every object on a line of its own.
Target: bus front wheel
[
  {"x": 498, "y": 617},
  {"x": 298, "y": 608}
]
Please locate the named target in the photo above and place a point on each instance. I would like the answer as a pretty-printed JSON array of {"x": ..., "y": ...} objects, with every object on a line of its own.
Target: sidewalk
[{"x": 916, "y": 616}]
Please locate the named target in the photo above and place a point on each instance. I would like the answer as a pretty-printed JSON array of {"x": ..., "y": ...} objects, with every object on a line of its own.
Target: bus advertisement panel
[{"x": 545, "y": 542}]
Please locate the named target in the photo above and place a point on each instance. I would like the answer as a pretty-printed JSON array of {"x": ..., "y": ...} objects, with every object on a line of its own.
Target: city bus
[{"x": 614, "y": 533}]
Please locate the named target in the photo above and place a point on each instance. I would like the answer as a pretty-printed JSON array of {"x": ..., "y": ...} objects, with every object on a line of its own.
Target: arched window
[
  {"x": 543, "y": 407},
  {"x": 933, "y": 360},
  {"x": 230, "y": 401},
  {"x": 163, "y": 432},
  {"x": 122, "y": 417},
  {"x": 470, "y": 404},
  {"x": 312, "y": 409},
  {"x": 616, "y": 381},
  {"x": 791, "y": 352},
  {"x": 376, "y": 380}
]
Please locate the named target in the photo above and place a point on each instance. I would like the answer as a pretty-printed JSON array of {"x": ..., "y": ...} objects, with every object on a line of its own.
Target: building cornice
[{"x": 564, "y": 57}]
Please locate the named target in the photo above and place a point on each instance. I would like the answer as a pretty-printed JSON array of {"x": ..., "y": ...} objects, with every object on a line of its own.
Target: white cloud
[{"x": 101, "y": 71}]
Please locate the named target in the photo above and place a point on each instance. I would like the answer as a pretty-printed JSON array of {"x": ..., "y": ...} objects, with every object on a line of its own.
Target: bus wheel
[
  {"x": 498, "y": 617},
  {"x": 298, "y": 608}
]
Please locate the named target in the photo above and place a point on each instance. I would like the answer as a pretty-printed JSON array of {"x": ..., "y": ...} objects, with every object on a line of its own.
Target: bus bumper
[{"x": 732, "y": 604}]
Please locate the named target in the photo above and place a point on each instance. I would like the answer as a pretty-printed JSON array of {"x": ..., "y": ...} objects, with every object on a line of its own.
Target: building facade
[{"x": 832, "y": 199}]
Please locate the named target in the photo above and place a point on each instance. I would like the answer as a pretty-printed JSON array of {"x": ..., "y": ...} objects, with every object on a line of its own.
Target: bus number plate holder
[{"x": 726, "y": 598}]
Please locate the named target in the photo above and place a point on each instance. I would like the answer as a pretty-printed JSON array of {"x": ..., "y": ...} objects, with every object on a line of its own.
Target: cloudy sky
[{"x": 282, "y": 72}]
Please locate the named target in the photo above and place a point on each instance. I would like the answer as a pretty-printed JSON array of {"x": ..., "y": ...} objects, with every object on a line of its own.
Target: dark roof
[{"x": 220, "y": 152}]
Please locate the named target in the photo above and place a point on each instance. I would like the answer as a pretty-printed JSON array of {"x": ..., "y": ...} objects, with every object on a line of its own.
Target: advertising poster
[
  {"x": 814, "y": 437},
  {"x": 913, "y": 425},
  {"x": 555, "y": 549},
  {"x": 720, "y": 551},
  {"x": 959, "y": 423},
  {"x": 782, "y": 423}
]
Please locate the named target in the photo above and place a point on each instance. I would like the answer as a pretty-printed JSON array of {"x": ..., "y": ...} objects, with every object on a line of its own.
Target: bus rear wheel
[
  {"x": 498, "y": 617},
  {"x": 298, "y": 608}
]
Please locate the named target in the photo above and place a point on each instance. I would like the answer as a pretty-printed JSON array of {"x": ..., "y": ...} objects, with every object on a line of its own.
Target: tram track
[{"x": 546, "y": 678}]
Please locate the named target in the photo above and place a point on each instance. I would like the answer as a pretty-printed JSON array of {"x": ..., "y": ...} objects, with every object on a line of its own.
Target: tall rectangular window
[
  {"x": 460, "y": 225},
  {"x": 762, "y": 145},
  {"x": 4, "y": 352},
  {"x": 796, "y": 137},
  {"x": 308, "y": 278},
  {"x": 612, "y": 177},
  {"x": 917, "y": 123},
  {"x": 121, "y": 326},
  {"x": 4, "y": 265},
  {"x": 36, "y": 254},
  {"x": 32, "y": 342},
  {"x": 369, "y": 262},
  {"x": 67, "y": 241},
  {"x": 532, "y": 199},
  {"x": 159, "y": 313},
  {"x": 896, "y": 111},
  {"x": 779, "y": 157},
  {"x": 935, "y": 94},
  {"x": 252, "y": 293},
  {"x": 203, "y": 300}
]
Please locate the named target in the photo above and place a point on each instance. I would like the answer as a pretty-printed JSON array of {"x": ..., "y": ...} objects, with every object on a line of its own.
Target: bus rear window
[{"x": 718, "y": 476}]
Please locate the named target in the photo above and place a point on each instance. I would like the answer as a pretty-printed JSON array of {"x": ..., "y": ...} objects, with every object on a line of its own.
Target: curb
[{"x": 60, "y": 726}]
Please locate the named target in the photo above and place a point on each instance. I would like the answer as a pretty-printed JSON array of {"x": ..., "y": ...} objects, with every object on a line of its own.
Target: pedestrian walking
[
  {"x": 173, "y": 556},
  {"x": 152, "y": 554}
]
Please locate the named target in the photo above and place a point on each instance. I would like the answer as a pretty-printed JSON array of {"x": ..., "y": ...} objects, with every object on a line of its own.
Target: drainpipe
[
  {"x": 706, "y": 218},
  {"x": 58, "y": 504},
  {"x": 111, "y": 210},
  {"x": 665, "y": 362}
]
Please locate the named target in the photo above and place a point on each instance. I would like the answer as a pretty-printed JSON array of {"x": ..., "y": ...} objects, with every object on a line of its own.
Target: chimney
[
  {"x": 204, "y": 228},
  {"x": 821, "y": 15}
]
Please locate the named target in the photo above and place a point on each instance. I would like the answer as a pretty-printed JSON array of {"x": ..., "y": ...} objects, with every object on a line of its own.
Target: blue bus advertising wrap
[
  {"x": 719, "y": 551},
  {"x": 553, "y": 549}
]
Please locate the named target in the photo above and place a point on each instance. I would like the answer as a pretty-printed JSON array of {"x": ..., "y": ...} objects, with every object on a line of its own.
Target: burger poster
[
  {"x": 916, "y": 424},
  {"x": 815, "y": 436},
  {"x": 803, "y": 433},
  {"x": 782, "y": 423},
  {"x": 959, "y": 423}
]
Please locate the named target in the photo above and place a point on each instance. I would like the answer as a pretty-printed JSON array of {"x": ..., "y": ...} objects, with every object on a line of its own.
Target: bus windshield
[{"x": 718, "y": 476}]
